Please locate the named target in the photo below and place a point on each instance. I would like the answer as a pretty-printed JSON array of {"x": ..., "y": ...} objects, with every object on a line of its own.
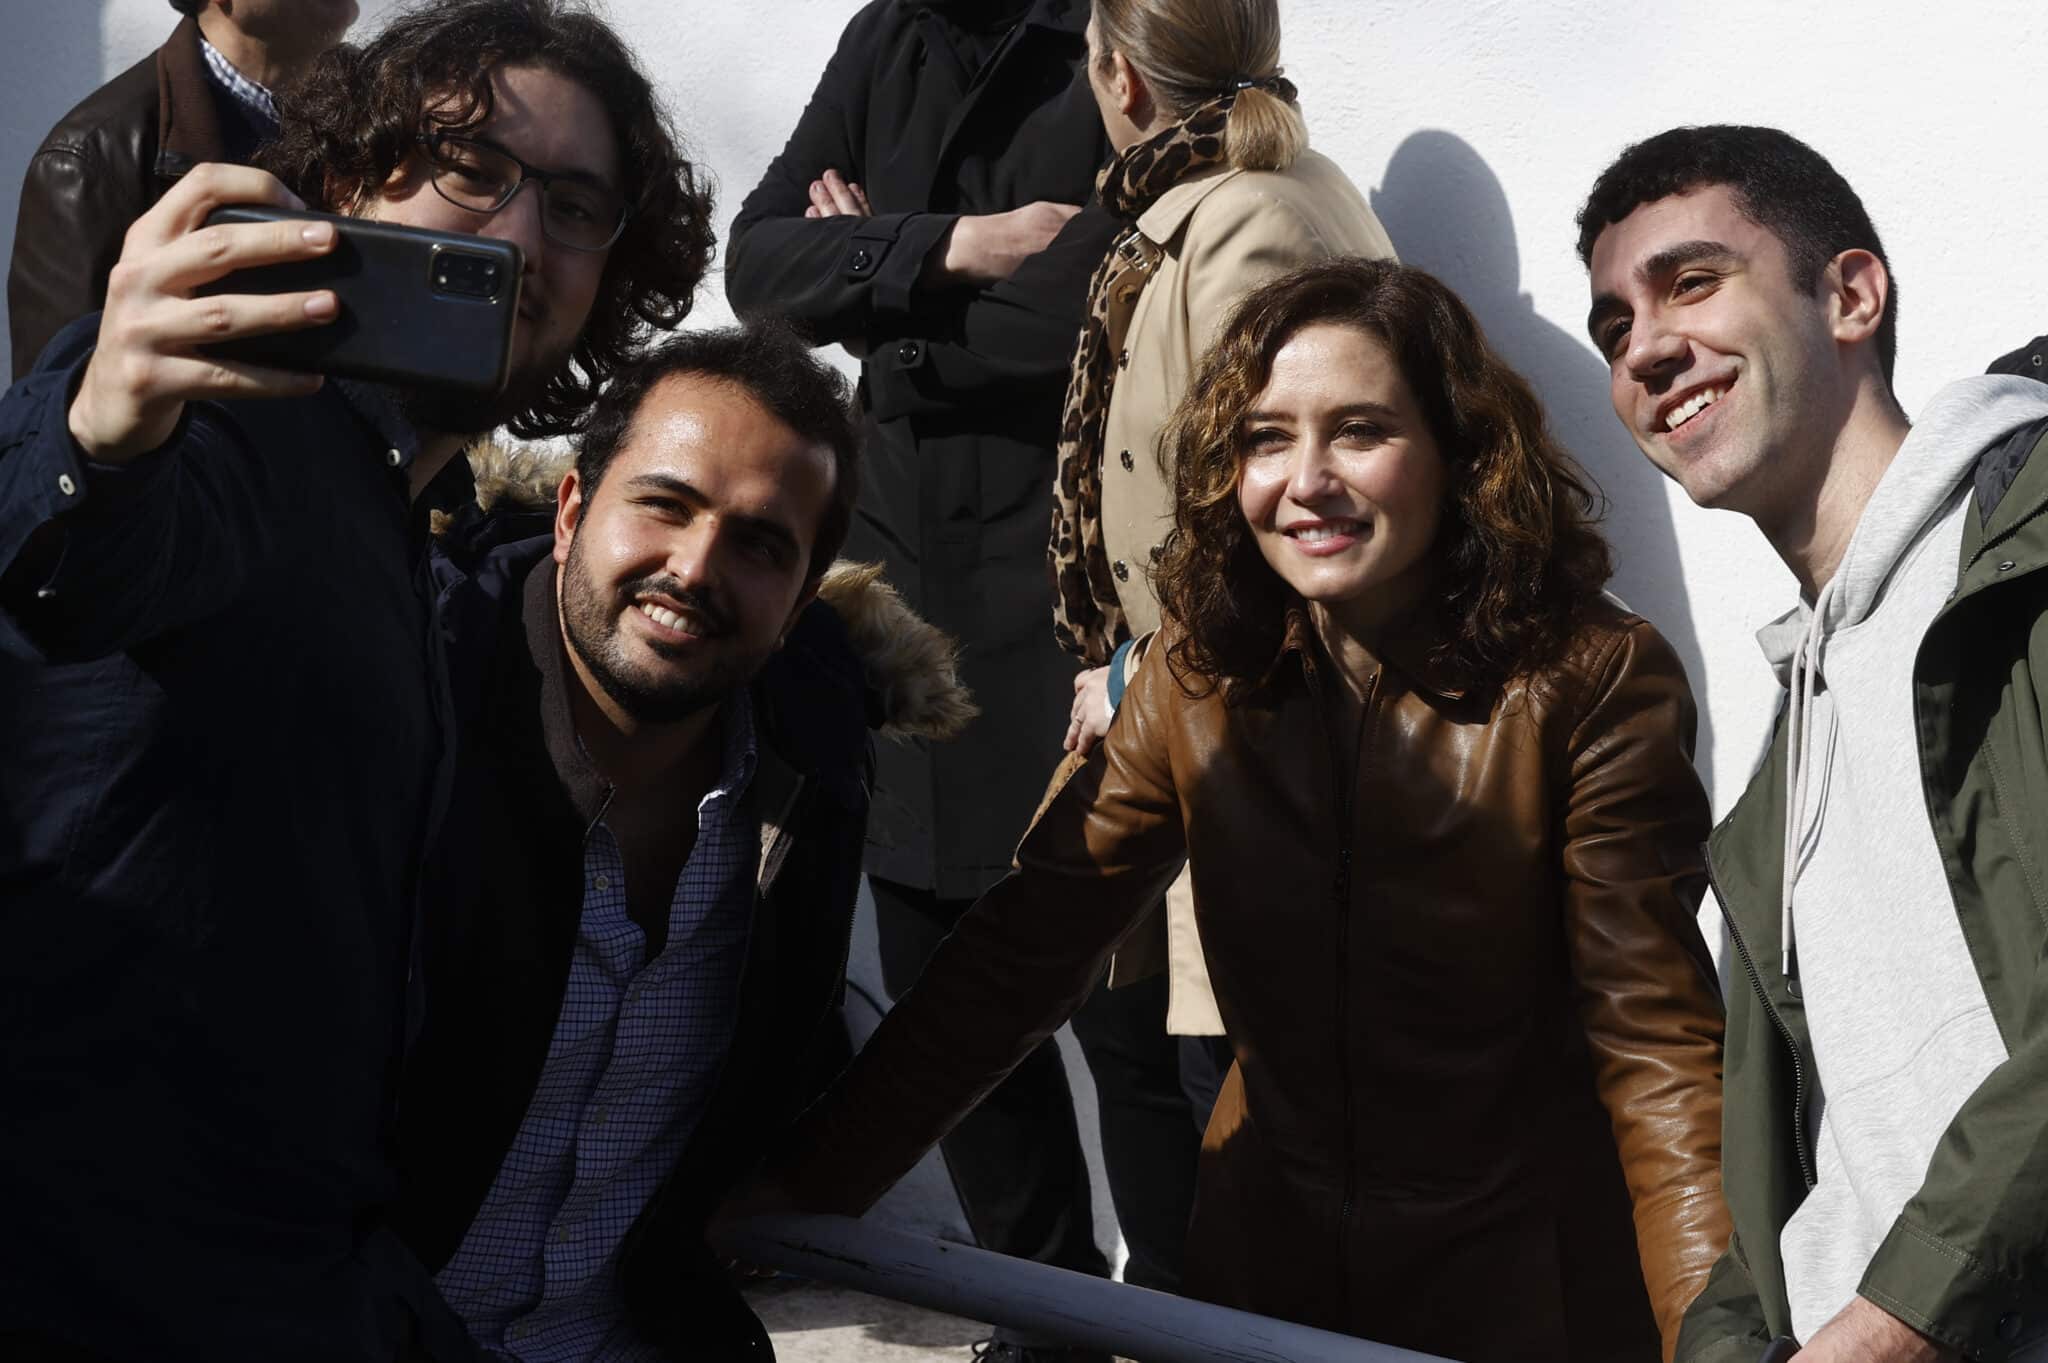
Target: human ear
[
  {"x": 568, "y": 513},
  {"x": 1133, "y": 100},
  {"x": 1861, "y": 289}
]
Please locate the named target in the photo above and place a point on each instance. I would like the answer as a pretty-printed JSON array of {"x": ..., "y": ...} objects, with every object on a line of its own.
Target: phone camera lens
[{"x": 464, "y": 275}]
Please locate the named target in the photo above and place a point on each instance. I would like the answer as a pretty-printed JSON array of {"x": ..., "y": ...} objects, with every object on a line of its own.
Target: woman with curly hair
[
  {"x": 1435, "y": 793},
  {"x": 1217, "y": 192}
]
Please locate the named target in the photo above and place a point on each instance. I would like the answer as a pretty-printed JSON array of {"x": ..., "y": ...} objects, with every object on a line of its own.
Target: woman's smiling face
[{"x": 1341, "y": 481}]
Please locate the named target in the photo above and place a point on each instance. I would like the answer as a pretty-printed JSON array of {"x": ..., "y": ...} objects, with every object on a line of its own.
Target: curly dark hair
[
  {"x": 1779, "y": 183},
  {"x": 356, "y": 116},
  {"x": 1519, "y": 557}
]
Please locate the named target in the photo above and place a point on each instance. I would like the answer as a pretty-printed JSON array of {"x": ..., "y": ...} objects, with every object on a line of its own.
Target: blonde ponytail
[
  {"x": 1191, "y": 51},
  {"x": 1264, "y": 132}
]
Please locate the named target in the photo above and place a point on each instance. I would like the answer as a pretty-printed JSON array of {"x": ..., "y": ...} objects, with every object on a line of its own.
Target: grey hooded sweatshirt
[{"x": 1901, "y": 1030}]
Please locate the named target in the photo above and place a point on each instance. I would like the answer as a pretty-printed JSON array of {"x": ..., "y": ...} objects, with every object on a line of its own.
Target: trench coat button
[
  {"x": 1123, "y": 574},
  {"x": 909, "y": 352},
  {"x": 861, "y": 261},
  {"x": 2007, "y": 566},
  {"x": 2008, "y": 1326},
  {"x": 67, "y": 487},
  {"x": 1128, "y": 462},
  {"x": 1157, "y": 551},
  {"x": 1123, "y": 359}
]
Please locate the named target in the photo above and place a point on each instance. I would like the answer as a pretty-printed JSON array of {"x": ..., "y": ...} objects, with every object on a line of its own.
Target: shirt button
[
  {"x": 65, "y": 485},
  {"x": 1123, "y": 574},
  {"x": 520, "y": 1331},
  {"x": 561, "y": 1235},
  {"x": 393, "y": 458},
  {"x": 1128, "y": 462},
  {"x": 599, "y": 1117},
  {"x": 602, "y": 882}
]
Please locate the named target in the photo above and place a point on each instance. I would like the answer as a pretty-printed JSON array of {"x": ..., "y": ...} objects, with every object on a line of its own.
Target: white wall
[{"x": 1476, "y": 128}]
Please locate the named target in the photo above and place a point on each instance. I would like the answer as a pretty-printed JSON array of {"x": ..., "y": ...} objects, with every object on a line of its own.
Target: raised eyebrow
[
  {"x": 584, "y": 176},
  {"x": 1349, "y": 409},
  {"x": 1674, "y": 258},
  {"x": 759, "y": 525}
]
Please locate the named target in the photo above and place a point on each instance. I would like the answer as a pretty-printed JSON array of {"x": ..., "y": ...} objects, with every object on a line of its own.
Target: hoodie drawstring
[{"x": 1799, "y": 752}]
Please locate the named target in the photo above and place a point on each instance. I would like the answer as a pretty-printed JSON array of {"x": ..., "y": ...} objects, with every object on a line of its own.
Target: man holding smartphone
[{"x": 221, "y": 714}]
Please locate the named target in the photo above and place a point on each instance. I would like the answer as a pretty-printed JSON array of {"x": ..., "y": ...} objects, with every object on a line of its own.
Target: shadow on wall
[
  {"x": 1448, "y": 214},
  {"x": 43, "y": 72}
]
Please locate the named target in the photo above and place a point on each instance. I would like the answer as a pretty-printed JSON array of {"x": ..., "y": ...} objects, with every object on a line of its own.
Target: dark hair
[
  {"x": 1778, "y": 182},
  {"x": 188, "y": 7},
  {"x": 775, "y": 368},
  {"x": 355, "y": 117},
  {"x": 1519, "y": 556}
]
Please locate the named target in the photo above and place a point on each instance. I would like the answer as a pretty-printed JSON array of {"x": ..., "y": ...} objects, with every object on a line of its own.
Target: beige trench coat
[{"x": 1220, "y": 234}]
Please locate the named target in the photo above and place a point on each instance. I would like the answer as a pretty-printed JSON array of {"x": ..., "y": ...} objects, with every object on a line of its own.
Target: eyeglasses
[{"x": 574, "y": 212}]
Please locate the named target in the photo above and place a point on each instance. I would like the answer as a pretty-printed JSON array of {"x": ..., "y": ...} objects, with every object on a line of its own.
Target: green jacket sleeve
[
  {"x": 1966, "y": 1262},
  {"x": 1726, "y": 1321}
]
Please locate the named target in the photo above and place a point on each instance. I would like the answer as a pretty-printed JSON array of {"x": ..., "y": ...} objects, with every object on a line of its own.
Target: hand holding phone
[
  {"x": 148, "y": 363},
  {"x": 414, "y": 306}
]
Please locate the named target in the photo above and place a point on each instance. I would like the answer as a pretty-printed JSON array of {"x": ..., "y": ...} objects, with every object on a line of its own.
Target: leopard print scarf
[{"x": 1087, "y": 615}]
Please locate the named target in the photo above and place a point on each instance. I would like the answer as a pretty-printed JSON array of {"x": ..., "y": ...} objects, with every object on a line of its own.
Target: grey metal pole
[{"x": 1084, "y": 1311}]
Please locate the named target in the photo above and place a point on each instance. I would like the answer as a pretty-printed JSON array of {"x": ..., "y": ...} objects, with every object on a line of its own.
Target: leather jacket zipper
[
  {"x": 1346, "y": 784},
  {"x": 1756, "y": 980}
]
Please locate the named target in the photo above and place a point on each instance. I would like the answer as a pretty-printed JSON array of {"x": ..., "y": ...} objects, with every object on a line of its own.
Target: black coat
[
  {"x": 2029, "y": 361},
  {"x": 962, "y": 387},
  {"x": 218, "y": 746}
]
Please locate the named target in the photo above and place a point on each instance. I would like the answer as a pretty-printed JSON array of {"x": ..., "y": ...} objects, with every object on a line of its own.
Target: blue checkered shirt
[{"x": 635, "y": 1053}]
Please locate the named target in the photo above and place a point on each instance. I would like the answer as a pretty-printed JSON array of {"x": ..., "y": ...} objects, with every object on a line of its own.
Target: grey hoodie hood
[
  {"x": 1951, "y": 433},
  {"x": 1932, "y": 466}
]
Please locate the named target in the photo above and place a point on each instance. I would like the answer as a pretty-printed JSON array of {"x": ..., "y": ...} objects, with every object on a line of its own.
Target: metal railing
[{"x": 1084, "y": 1311}]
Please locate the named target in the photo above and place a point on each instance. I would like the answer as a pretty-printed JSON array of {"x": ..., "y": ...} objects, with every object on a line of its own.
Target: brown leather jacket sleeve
[
  {"x": 75, "y": 210},
  {"x": 1647, "y": 990},
  {"x": 1106, "y": 843}
]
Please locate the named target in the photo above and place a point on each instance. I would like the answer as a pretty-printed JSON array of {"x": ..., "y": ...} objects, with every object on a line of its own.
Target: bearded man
[
  {"x": 640, "y": 905},
  {"x": 222, "y": 714}
]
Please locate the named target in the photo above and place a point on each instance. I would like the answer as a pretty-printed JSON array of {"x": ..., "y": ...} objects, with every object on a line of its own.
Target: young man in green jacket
[{"x": 1885, "y": 876}]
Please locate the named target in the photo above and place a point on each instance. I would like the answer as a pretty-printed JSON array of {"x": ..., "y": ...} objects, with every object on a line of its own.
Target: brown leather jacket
[
  {"x": 99, "y": 170},
  {"x": 1477, "y": 1104}
]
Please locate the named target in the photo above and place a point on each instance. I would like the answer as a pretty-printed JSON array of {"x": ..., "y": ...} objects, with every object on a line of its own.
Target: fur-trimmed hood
[{"x": 911, "y": 667}]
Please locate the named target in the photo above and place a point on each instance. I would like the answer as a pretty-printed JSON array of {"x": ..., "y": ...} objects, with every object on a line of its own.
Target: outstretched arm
[{"x": 1102, "y": 851}]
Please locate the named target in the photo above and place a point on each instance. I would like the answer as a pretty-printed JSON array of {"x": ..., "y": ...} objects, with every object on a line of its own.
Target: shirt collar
[
  {"x": 1175, "y": 205},
  {"x": 1408, "y": 652},
  {"x": 379, "y": 410},
  {"x": 256, "y": 98}
]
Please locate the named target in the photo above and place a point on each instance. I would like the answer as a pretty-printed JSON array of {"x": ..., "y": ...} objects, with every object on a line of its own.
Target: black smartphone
[{"x": 417, "y": 307}]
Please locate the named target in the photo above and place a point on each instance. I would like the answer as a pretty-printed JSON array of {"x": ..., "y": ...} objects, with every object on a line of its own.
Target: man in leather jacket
[{"x": 205, "y": 95}]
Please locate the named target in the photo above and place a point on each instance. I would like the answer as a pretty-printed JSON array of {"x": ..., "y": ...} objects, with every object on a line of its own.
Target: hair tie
[{"x": 1276, "y": 84}]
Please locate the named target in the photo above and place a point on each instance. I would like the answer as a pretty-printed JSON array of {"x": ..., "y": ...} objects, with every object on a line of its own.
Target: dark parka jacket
[
  {"x": 961, "y": 387},
  {"x": 503, "y": 891},
  {"x": 1967, "y": 1260}
]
